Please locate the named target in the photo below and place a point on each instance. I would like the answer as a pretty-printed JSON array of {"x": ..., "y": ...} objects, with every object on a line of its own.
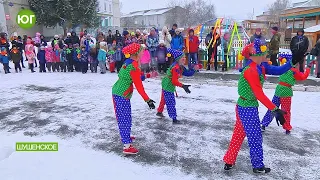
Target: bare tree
[
  {"x": 276, "y": 8},
  {"x": 190, "y": 13}
]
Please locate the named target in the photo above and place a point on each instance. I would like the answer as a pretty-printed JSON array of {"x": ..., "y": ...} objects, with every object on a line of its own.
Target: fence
[{"x": 234, "y": 63}]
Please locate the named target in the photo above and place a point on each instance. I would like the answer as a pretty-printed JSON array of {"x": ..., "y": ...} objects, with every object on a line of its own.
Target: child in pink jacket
[
  {"x": 145, "y": 60},
  {"x": 49, "y": 57}
]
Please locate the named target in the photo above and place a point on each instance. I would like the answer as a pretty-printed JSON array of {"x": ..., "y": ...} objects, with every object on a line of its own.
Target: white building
[
  {"x": 147, "y": 18},
  {"x": 109, "y": 11}
]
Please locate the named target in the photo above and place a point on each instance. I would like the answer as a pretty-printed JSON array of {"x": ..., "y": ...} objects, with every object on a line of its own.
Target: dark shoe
[
  {"x": 228, "y": 167},
  {"x": 261, "y": 170},
  {"x": 159, "y": 114},
  {"x": 263, "y": 128},
  {"x": 176, "y": 122},
  {"x": 288, "y": 132}
]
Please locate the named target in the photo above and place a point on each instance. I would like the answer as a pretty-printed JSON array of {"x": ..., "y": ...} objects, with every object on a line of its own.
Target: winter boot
[
  {"x": 128, "y": 149},
  {"x": 261, "y": 170},
  {"x": 318, "y": 75},
  {"x": 176, "y": 121},
  {"x": 228, "y": 167},
  {"x": 287, "y": 132},
  {"x": 263, "y": 128},
  {"x": 159, "y": 114}
]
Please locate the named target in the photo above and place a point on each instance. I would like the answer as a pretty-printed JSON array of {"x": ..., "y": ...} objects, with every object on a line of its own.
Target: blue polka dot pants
[
  {"x": 122, "y": 109},
  {"x": 167, "y": 98},
  {"x": 247, "y": 124},
  {"x": 267, "y": 119}
]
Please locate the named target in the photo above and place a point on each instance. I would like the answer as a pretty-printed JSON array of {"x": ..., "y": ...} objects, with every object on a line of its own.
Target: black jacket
[
  {"x": 110, "y": 39},
  {"x": 299, "y": 44},
  {"x": 208, "y": 40}
]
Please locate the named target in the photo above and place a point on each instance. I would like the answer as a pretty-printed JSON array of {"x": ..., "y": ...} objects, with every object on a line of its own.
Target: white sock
[{"x": 126, "y": 146}]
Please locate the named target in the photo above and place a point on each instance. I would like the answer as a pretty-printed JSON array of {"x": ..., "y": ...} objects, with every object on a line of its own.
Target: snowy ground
[{"x": 76, "y": 110}]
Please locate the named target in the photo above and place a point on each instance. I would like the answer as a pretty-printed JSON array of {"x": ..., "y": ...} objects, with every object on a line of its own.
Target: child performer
[
  {"x": 283, "y": 96},
  {"x": 122, "y": 91},
  {"x": 247, "y": 115},
  {"x": 170, "y": 81},
  {"x": 16, "y": 57}
]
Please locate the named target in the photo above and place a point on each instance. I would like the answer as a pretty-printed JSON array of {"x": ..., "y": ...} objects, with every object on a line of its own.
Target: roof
[
  {"x": 149, "y": 12},
  {"x": 312, "y": 29},
  {"x": 303, "y": 13}
]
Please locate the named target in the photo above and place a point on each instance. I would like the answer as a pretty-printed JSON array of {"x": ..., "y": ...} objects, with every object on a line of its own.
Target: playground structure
[{"x": 239, "y": 39}]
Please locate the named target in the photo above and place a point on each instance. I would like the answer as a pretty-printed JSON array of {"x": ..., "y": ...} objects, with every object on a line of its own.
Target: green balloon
[{"x": 26, "y": 18}]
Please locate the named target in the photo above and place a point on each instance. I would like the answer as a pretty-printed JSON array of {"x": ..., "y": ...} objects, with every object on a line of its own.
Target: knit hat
[
  {"x": 275, "y": 28},
  {"x": 132, "y": 34},
  {"x": 177, "y": 55},
  {"x": 254, "y": 49},
  {"x": 258, "y": 30},
  {"x": 132, "y": 49},
  {"x": 125, "y": 33}
]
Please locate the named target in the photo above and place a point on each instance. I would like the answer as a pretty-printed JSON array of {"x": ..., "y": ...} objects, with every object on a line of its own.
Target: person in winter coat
[
  {"x": 93, "y": 59},
  {"x": 212, "y": 42},
  {"x": 88, "y": 42},
  {"x": 152, "y": 44},
  {"x": 299, "y": 45},
  {"x": 227, "y": 55},
  {"x": 19, "y": 44},
  {"x": 42, "y": 59},
  {"x": 171, "y": 81},
  {"x": 63, "y": 59},
  {"x": 173, "y": 30},
  {"x": 162, "y": 57},
  {"x": 110, "y": 38},
  {"x": 283, "y": 96},
  {"x": 49, "y": 57},
  {"x": 69, "y": 55},
  {"x": 16, "y": 58},
  {"x": 274, "y": 46},
  {"x": 122, "y": 90},
  {"x": 4, "y": 42},
  {"x": 4, "y": 57},
  {"x": 193, "y": 48},
  {"x": 126, "y": 39},
  {"x": 76, "y": 57},
  {"x": 84, "y": 60},
  {"x": 139, "y": 37},
  {"x": 258, "y": 34},
  {"x": 43, "y": 41},
  {"x": 316, "y": 52},
  {"x": 56, "y": 57},
  {"x": 30, "y": 54},
  {"x": 102, "y": 57},
  {"x": 118, "y": 37},
  {"x": 68, "y": 39},
  {"x": 118, "y": 57},
  {"x": 166, "y": 37},
  {"x": 74, "y": 38},
  {"x": 145, "y": 60},
  {"x": 250, "y": 91},
  {"x": 177, "y": 41}
]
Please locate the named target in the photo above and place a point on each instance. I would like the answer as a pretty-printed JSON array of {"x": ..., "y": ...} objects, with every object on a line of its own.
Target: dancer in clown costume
[
  {"x": 283, "y": 95},
  {"x": 171, "y": 81},
  {"x": 250, "y": 92},
  {"x": 122, "y": 90}
]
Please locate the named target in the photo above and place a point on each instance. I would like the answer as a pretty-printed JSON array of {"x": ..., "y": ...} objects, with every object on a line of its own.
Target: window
[
  {"x": 105, "y": 6},
  {"x": 110, "y": 9}
]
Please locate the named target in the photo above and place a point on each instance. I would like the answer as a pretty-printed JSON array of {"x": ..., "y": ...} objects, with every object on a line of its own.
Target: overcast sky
[{"x": 237, "y": 9}]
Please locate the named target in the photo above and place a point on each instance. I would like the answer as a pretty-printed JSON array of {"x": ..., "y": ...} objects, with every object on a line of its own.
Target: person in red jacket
[{"x": 193, "y": 49}]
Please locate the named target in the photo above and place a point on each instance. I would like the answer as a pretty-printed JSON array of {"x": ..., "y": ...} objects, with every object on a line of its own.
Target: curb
[{"x": 235, "y": 77}]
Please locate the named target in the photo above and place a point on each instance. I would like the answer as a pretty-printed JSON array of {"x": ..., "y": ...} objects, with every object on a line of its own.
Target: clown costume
[
  {"x": 122, "y": 90},
  {"x": 169, "y": 83},
  {"x": 250, "y": 92}
]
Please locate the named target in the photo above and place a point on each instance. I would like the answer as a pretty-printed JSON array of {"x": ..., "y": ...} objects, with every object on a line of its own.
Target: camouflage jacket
[{"x": 274, "y": 44}]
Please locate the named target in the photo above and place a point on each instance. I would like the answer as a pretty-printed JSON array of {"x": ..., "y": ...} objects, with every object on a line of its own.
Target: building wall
[
  {"x": 116, "y": 13},
  {"x": 11, "y": 24},
  {"x": 299, "y": 23}
]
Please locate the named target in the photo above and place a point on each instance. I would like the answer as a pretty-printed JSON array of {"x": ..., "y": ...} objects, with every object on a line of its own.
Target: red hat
[{"x": 132, "y": 49}]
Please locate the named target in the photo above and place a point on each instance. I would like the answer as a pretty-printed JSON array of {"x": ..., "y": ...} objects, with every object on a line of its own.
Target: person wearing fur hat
[
  {"x": 16, "y": 58},
  {"x": 102, "y": 57},
  {"x": 258, "y": 34},
  {"x": 171, "y": 81},
  {"x": 250, "y": 92},
  {"x": 122, "y": 90},
  {"x": 68, "y": 39},
  {"x": 166, "y": 37},
  {"x": 284, "y": 93}
]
